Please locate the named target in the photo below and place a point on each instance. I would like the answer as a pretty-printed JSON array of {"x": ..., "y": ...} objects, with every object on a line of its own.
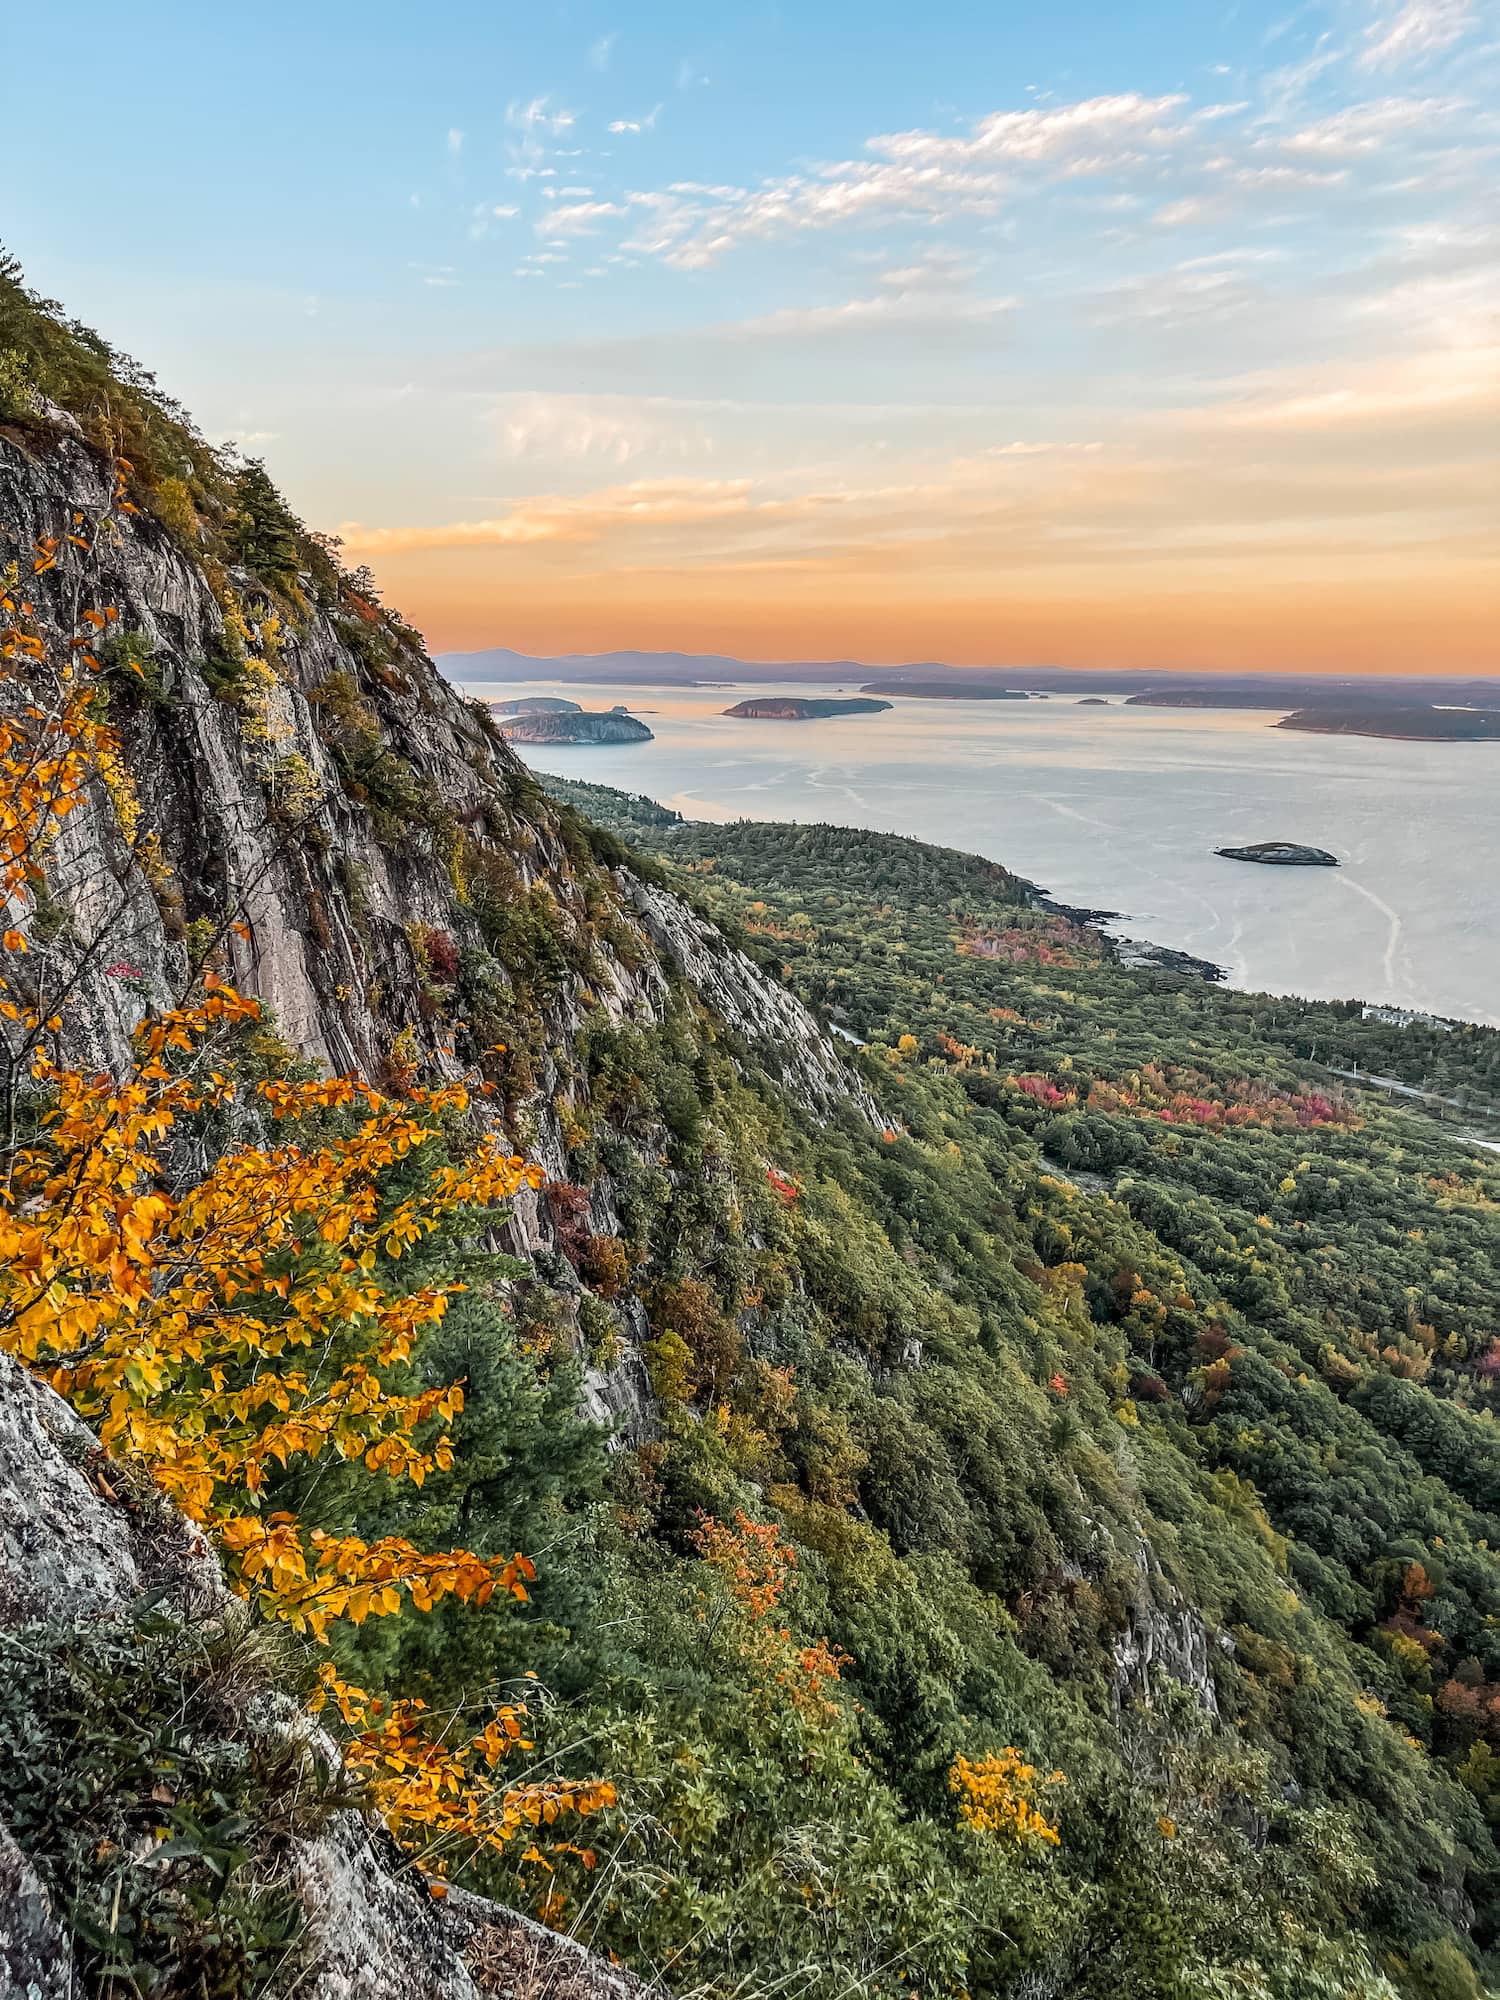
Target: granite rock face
[
  {"x": 258, "y": 816},
  {"x": 786, "y": 1037},
  {"x": 348, "y": 916},
  {"x": 36, "y": 1959},
  {"x": 1165, "y": 1644}
]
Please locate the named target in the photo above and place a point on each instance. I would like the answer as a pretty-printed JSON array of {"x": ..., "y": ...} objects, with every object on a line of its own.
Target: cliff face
[
  {"x": 248, "y": 800},
  {"x": 338, "y": 799},
  {"x": 349, "y": 841}
]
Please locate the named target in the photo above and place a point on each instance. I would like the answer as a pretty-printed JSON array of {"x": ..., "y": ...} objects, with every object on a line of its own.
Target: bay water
[{"x": 1121, "y": 808}]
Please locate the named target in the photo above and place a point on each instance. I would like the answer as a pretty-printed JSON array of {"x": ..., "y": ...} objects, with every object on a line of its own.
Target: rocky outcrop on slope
[
  {"x": 1165, "y": 1644},
  {"x": 36, "y": 1959},
  {"x": 787, "y": 1039},
  {"x": 511, "y": 1957},
  {"x": 80, "y": 1548}
]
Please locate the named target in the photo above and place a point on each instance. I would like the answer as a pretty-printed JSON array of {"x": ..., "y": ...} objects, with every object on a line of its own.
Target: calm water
[{"x": 1121, "y": 808}]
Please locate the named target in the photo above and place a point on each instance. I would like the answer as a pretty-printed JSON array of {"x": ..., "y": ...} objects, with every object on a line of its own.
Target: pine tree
[{"x": 264, "y": 535}]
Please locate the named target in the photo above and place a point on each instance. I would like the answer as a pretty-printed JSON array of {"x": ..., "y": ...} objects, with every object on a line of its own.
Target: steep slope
[{"x": 893, "y": 1561}]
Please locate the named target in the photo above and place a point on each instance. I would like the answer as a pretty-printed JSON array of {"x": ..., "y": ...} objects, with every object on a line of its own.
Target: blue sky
[{"x": 1155, "y": 333}]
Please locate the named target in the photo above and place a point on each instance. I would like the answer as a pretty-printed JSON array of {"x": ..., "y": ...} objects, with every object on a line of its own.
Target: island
[
  {"x": 1281, "y": 854},
  {"x": 801, "y": 708},
  {"x": 1234, "y": 695},
  {"x": 1092, "y": 701},
  {"x": 537, "y": 704},
  {"x": 954, "y": 690},
  {"x": 614, "y": 725},
  {"x": 1404, "y": 725}
]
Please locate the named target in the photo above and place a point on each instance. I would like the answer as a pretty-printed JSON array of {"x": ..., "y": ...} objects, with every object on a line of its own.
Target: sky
[{"x": 1160, "y": 335}]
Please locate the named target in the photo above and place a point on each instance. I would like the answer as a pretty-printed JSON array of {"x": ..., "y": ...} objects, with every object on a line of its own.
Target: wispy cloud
[
  {"x": 923, "y": 176},
  {"x": 618, "y": 429},
  {"x": 600, "y": 51},
  {"x": 643, "y": 504},
  {"x": 679, "y": 225},
  {"x": 1079, "y": 138},
  {"x": 1365, "y": 128},
  {"x": 935, "y": 313},
  {"x": 636, "y": 125},
  {"x": 578, "y": 218},
  {"x": 1161, "y": 487},
  {"x": 538, "y": 118},
  {"x": 1421, "y": 28}
]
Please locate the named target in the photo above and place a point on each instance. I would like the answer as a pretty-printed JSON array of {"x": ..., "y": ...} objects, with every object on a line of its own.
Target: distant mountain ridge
[{"x": 632, "y": 666}]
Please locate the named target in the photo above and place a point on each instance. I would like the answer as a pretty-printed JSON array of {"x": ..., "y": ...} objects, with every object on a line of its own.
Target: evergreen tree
[{"x": 264, "y": 535}]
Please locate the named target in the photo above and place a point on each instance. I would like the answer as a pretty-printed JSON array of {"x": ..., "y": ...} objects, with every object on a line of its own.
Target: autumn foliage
[
  {"x": 433, "y": 1784},
  {"x": 227, "y": 1328},
  {"x": 996, "y": 1795},
  {"x": 757, "y": 1566},
  {"x": 251, "y": 1322},
  {"x": 1177, "y": 1095}
]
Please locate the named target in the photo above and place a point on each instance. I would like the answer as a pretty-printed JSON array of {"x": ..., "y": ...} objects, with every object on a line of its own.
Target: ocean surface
[{"x": 1121, "y": 809}]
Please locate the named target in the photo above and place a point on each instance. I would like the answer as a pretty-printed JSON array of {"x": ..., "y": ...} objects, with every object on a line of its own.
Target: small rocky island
[
  {"x": 802, "y": 708},
  {"x": 574, "y": 725},
  {"x": 537, "y": 704},
  {"x": 1281, "y": 854}
]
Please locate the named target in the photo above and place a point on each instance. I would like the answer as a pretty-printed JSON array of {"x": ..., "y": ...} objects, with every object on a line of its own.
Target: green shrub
[{"x": 157, "y": 1823}]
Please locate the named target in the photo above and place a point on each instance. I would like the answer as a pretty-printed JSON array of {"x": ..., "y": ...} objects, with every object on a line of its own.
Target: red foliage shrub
[
  {"x": 440, "y": 952},
  {"x": 569, "y": 1208}
]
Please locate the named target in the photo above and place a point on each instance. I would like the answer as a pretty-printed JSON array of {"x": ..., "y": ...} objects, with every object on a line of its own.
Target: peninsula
[{"x": 1408, "y": 725}]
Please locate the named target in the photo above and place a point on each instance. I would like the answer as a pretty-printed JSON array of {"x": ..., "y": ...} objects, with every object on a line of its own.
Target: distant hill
[
  {"x": 501, "y": 663},
  {"x": 537, "y": 704},
  {"x": 1234, "y": 696}
]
